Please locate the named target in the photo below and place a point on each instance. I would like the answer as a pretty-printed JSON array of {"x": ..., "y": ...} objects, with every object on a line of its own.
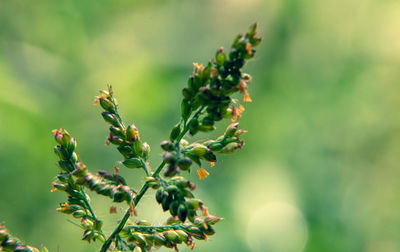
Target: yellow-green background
[{"x": 320, "y": 169}]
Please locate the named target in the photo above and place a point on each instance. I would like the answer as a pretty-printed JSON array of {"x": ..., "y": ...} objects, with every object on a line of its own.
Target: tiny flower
[
  {"x": 246, "y": 97},
  {"x": 202, "y": 173},
  {"x": 248, "y": 49},
  {"x": 212, "y": 163}
]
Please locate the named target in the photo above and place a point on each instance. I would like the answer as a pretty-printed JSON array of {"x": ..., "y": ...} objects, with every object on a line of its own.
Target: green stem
[
  {"x": 125, "y": 218},
  {"x": 145, "y": 187}
]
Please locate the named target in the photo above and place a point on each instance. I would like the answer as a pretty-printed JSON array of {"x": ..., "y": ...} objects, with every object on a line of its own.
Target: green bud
[
  {"x": 117, "y": 131},
  {"x": 167, "y": 145},
  {"x": 138, "y": 147},
  {"x": 139, "y": 238},
  {"x": 231, "y": 130},
  {"x": 212, "y": 220},
  {"x": 172, "y": 236},
  {"x": 216, "y": 146},
  {"x": 220, "y": 57},
  {"x": 159, "y": 239},
  {"x": 125, "y": 150},
  {"x": 172, "y": 189},
  {"x": 79, "y": 214},
  {"x": 97, "y": 225},
  {"x": 184, "y": 163},
  {"x": 198, "y": 149},
  {"x": 231, "y": 147},
  {"x": 194, "y": 204},
  {"x": 132, "y": 133},
  {"x": 166, "y": 201},
  {"x": 110, "y": 118},
  {"x": 58, "y": 151},
  {"x": 146, "y": 150},
  {"x": 60, "y": 187},
  {"x": 107, "y": 105},
  {"x": 159, "y": 195},
  {"x": 184, "y": 237},
  {"x": 175, "y": 132},
  {"x": 182, "y": 212},
  {"x": 240, "y": 133},
  {"x": 173, "y": 208},
  {"x": 169, "y": 158},
  {"x": 133, "y": 163},
  {"x": 228, "y": 113}
]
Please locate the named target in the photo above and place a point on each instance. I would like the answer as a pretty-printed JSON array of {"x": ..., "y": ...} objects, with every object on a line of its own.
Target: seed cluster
[
  {"x": 142, "y": 236},
  {"x": 127, "y": 138},
  {"x": 176, "y": 196}
]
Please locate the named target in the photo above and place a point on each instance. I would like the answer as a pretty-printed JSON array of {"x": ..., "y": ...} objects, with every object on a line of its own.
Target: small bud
[
  {"x": 231, "y": 147},
  {"x": 172, "y": 236},
  {"x": 169, "y": 157},
  {"x": 79, "y": 214},
  {"x": 184, "y": 163},
  {"x": 182, "y": 212},
  {"x": 182, "y": 235},
  {"x": 110, "y": 118},
  {"x": 133, "y": 163},
  {"x": 216, "y": 146},
  {"x": 160, "y": 195},
  {"x": 167, "y": 145},
  {"x": 107, "y": 105},
  {"x": 117, "y": 131},
  {"x": 220, "y": 57},
  {"x": 198, "y": 149},
  {"x": 132, "y": 133},
  {"x": 231, "y": 129},
  {"x": 194, "y": 204}
]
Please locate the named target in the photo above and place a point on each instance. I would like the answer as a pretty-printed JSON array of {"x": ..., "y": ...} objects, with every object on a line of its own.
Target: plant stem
[
  {"x": 145, "y": 187},
  {"x": 125, "y": 218}
]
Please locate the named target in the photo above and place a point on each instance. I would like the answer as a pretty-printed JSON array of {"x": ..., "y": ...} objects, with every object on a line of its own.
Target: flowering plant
[{"x": 207, "y": 99}]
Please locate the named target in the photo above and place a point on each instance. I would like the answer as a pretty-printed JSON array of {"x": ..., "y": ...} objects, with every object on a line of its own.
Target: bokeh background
[{"x": 320, "y": 168}]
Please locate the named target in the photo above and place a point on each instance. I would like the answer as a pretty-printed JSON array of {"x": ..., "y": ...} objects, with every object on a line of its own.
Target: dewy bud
[
  {"x": 133, "y": 163},
  {"x": 107, "y": 105},
  {"x": 175, "y": 132}
]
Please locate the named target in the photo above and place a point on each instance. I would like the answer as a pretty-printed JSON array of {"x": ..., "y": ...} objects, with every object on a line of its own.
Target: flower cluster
[
  {"x": 126, "y": 138},
  {"x": 209, "y": 98},
  {"x": 176, "y": 196}
]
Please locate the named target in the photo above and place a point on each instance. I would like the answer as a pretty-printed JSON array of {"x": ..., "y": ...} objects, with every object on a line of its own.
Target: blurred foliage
[{"x": 320, "y": 167}]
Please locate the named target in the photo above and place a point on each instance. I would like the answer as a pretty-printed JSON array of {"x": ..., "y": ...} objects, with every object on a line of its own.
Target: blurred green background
[{"x": 320, "y": 168}]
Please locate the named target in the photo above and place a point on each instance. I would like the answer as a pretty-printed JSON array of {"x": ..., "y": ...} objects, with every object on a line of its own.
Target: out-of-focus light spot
[{"x": 277, "y": 227}]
